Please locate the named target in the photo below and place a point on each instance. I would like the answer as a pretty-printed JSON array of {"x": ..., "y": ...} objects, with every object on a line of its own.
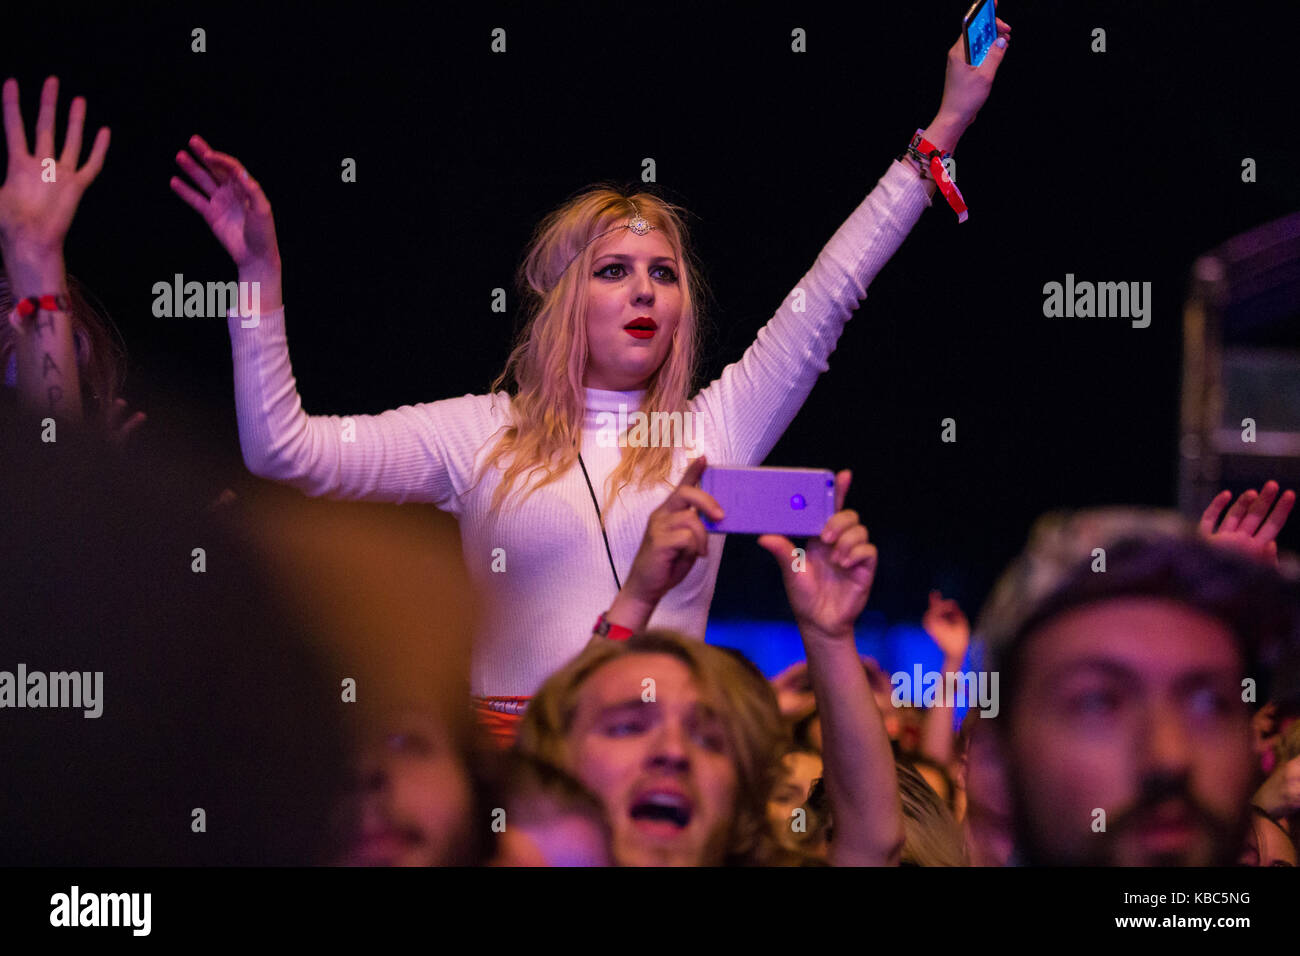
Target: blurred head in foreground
[
  {"x": 219, "y": 739},
  {"x": 1129, "y": 651},
  {"x": 385, "y": 593},
  {"x": 241, "y": 652}
]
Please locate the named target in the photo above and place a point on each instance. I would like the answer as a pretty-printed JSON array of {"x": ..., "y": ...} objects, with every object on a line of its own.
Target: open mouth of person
[
  {"x": 384, "y": 846},
  {"x": 641, "y": 328},
  {"x": 661, "y": 813}
]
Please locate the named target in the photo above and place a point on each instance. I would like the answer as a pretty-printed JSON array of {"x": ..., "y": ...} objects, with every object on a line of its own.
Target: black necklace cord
[{"x": 599, "y": 517}]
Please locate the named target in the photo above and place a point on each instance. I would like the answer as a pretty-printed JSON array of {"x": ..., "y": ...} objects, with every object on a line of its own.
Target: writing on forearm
[{"x": 47, "y": 358}]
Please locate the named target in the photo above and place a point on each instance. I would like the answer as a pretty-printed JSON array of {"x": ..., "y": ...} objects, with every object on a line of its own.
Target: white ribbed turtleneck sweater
[{"x": 539, "y": 612}]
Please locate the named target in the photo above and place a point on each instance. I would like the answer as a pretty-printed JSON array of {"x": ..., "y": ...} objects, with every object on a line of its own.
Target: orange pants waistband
[{"x": 499, "y": 717}]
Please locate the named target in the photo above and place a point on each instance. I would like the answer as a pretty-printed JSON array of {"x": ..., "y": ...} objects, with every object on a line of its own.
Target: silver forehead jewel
[{"x": 637, "y": 223}]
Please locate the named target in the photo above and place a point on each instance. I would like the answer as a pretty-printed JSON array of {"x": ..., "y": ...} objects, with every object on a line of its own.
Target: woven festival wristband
[
  {"x": 29, "y": 306},
  {"x": 934, "y": 163}
]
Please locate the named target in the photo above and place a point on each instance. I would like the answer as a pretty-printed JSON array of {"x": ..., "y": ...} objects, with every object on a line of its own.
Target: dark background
[{"x": 1115, "y": 166}]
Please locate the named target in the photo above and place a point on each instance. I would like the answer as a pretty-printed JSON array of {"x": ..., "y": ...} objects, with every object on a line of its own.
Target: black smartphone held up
[{"x": 979, "y": 28}]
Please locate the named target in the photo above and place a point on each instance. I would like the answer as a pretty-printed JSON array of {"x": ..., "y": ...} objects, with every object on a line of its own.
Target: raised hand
[
  {"x": 674, "y": 538},
  {"x": 41, "y": 192},
  {"x": 965, "y": 89},
  {"x": 947, "y": 625},
  {"x": 231, "y": 203},
  {"x": 838, "y": 569},
  {"x": 1248, "y": 527},
  {"x": 827, "y": 596}
]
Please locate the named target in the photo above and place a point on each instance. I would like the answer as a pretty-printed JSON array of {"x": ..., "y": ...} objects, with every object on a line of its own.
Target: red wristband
[
  {"x": 615, "y": 632},
  {"x": 46, "y": 303},
  {"x": 29, "y": 306},
  {"x": 932, "y": 159}
]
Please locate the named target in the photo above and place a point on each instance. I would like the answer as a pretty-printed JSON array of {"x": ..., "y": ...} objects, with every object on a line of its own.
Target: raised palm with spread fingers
[{"x": 233, "y": 205}]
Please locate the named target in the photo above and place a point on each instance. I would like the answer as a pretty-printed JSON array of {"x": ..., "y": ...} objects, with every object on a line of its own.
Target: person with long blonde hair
[{"x": 552, "y": 476}]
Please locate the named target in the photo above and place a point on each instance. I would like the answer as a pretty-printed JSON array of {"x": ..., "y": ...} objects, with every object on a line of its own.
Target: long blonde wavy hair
[{"x": 544, "y": 374}]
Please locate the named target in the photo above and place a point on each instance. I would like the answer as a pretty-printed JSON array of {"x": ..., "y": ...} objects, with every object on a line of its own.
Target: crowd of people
[{"x": 283, "y": 685}]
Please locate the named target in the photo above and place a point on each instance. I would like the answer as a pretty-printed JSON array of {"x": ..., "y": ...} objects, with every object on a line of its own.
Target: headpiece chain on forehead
[{"x": 636, "y": 222}]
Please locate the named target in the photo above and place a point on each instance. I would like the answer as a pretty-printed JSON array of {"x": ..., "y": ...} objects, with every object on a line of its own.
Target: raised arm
[
  {"x": 37, "y": 205},
  {"x": 948, "y": 627},
  {"x": 413, "y": 453},
  {"x": 754, "y": 400},
  {"x": 827, "y": 596}
]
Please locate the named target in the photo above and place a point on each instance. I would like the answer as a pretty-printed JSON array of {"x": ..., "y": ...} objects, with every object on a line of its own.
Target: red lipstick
[{"x": 642, "y": 327}]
